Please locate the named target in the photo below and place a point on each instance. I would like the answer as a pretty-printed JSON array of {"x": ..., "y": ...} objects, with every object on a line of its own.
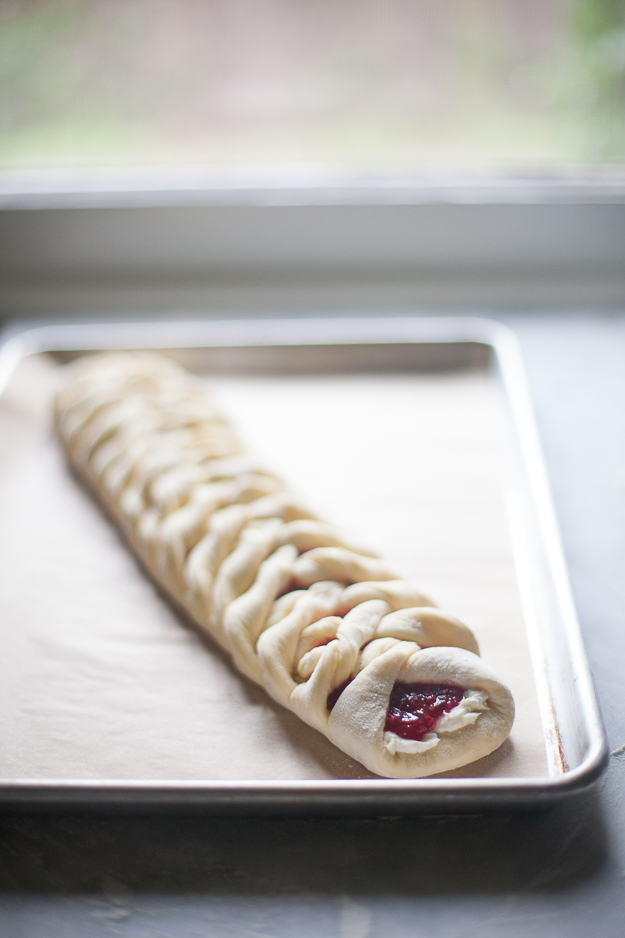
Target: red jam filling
[
  {"x": 334, "y": 695},
  {"x": 415, "y": 709}
]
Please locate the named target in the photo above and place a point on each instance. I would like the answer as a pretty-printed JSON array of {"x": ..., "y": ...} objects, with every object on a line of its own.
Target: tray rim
[{"x": 319, "y": 794}]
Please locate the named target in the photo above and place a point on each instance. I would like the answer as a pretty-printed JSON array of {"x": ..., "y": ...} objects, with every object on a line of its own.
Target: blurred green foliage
[
  {"x": 505, "y": 84},
  {"x": 595, "y": 93}
]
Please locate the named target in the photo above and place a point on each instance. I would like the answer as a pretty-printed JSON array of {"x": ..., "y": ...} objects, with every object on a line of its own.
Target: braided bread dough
[{"x": 324, "y": 625}]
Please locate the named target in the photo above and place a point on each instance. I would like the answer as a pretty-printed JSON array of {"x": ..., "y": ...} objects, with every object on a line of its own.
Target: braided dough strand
[{"x": 323, "y": 624}]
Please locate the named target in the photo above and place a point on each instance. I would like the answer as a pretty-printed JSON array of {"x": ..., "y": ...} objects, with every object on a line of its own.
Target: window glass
[{"x": 402, "y": 85}]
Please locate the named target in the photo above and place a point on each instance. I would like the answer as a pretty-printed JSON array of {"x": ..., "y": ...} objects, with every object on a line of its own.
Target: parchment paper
[{"x": 101, "y": 678}]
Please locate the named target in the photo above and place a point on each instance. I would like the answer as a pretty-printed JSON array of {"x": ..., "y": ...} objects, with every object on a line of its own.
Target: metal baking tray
[{"x": 444, "y": 355}]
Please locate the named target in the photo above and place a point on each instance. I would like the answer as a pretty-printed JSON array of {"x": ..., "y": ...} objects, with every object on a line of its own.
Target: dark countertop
[{"x": 560, "y": 872}]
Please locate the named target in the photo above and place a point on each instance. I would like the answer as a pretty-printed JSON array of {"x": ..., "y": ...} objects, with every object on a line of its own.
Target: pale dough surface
[{"x": 115, "y": 688}]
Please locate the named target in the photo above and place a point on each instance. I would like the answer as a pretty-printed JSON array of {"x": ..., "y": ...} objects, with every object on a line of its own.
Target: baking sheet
[{"x": 102, "y": 679}]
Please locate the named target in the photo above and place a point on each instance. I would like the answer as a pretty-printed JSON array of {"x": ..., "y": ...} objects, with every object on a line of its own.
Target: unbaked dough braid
[{"x": 323, "y": 624}]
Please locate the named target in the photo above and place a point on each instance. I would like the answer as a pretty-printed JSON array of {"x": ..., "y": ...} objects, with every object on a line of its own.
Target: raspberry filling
[
  {"x": 415, "y": 709},
  {"x": 334, "y": 695}
]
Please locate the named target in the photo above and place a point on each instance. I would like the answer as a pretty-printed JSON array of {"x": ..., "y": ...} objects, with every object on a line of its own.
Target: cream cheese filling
[{"x": 465, "y": 714}]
